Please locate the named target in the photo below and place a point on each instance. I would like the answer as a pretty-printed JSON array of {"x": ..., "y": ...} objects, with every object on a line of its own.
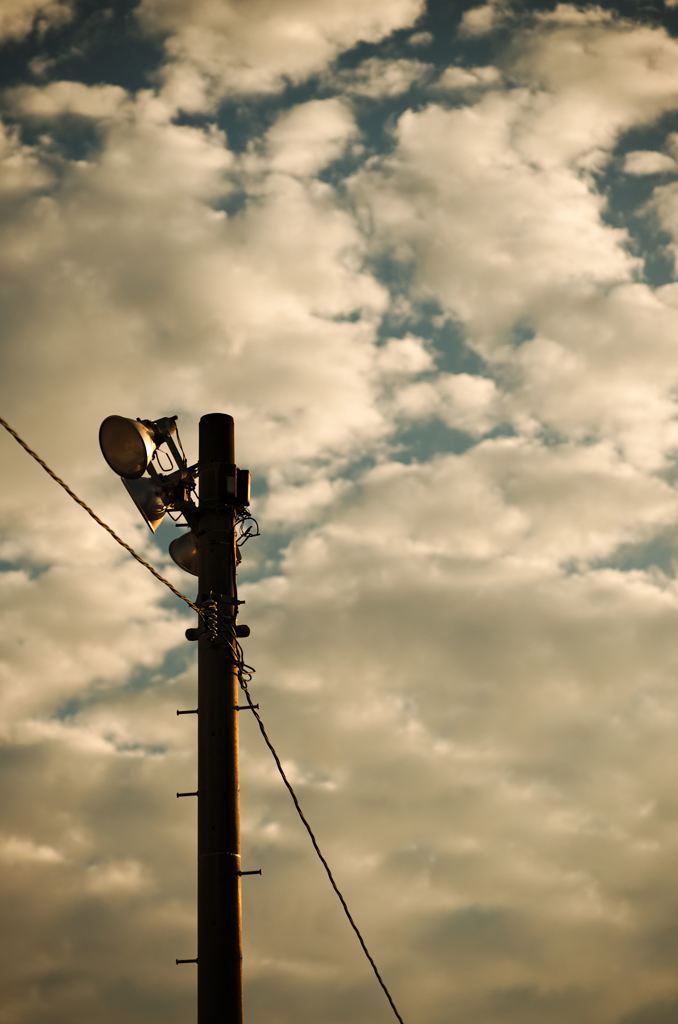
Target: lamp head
[
  {"x": 184, "y": 551},
  {"x": 127, "y": 445},
  {"x": 149, "y": 499}
]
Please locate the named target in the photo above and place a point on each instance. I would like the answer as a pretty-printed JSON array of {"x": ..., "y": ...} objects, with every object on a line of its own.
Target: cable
[
  {"x": 179, "y": 444},
  {"x": 245, "y": 534},
  {"x": 245, "y": 673},
  {"x": 95, "y": 517}
]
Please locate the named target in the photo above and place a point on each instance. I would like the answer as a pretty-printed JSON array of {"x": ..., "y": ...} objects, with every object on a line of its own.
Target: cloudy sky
[{"x": 425, "y": 253}]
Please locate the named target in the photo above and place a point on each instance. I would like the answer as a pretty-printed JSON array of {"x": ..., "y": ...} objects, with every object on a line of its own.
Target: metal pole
[{"x": 219, "y": 897}]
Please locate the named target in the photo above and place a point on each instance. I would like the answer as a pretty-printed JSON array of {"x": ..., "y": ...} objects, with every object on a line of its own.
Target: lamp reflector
[
  {"x": 148, "y": 498},
  {"x": 127, "y": 445},
  {"x": 184, "y": 551}
]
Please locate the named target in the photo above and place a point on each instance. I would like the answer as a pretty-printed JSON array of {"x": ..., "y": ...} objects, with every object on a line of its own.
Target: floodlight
[
  {"x": 149, "y": 499},
  {"x": 184, "y": 551},
  {"x": 127, "y": 445}
]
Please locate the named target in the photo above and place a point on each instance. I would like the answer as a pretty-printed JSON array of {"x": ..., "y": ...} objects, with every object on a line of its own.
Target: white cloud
[
  {"x": 467, "y": 402},
  {"x": 664, "y": 203},
  {"x": 296, "y": 504},
  {"x": 22, "y": 171},
  {"x": 454, "y": 79},
  {"x": 19, "y": 17},
  {"x": 310, "y": 136},
  {"x": 92, "y": 902},
  {"x": 379, "y": 78},
  {"x": 476, "y": 219},
  {"x": 460, "y": 400},
  {"x": 259, "y": 49},
  {"x": 185, "y": 88},
  {"x": 403, "y": 357},
  {"x": 71, "y": 655},
  {"x": 664, "y": 199},
  {"x": 420, "y": 39},
  {"x": 504, "y": 238},
  {"x": 479, "y": 21},
  {"x": 642, "y": 162},
  {"x": 504, "y": 498},
  {"x": 569, "y": 14},
  {"x": 131, "y": 241},
  {"x": 20, "y": 850},
  {"x": 600, "y": 369},
  {"x": 598, "y": 77},
  {"x": 491, "y": 702},
  {"x": 58, "y": 98},
  {"x": 126, "y": 877}
]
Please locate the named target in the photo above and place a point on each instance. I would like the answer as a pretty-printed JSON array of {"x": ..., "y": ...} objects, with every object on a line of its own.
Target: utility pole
[
  {"x": 209, "y": 552},
  {"x": 219, "y": 894}
]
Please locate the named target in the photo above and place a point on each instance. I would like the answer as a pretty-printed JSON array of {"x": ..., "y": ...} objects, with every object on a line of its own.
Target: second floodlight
[{"x": 149, "y": 499}]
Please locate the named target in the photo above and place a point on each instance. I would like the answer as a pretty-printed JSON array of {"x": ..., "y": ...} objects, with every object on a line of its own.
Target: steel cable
[{"x": 245, "y": 673}]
